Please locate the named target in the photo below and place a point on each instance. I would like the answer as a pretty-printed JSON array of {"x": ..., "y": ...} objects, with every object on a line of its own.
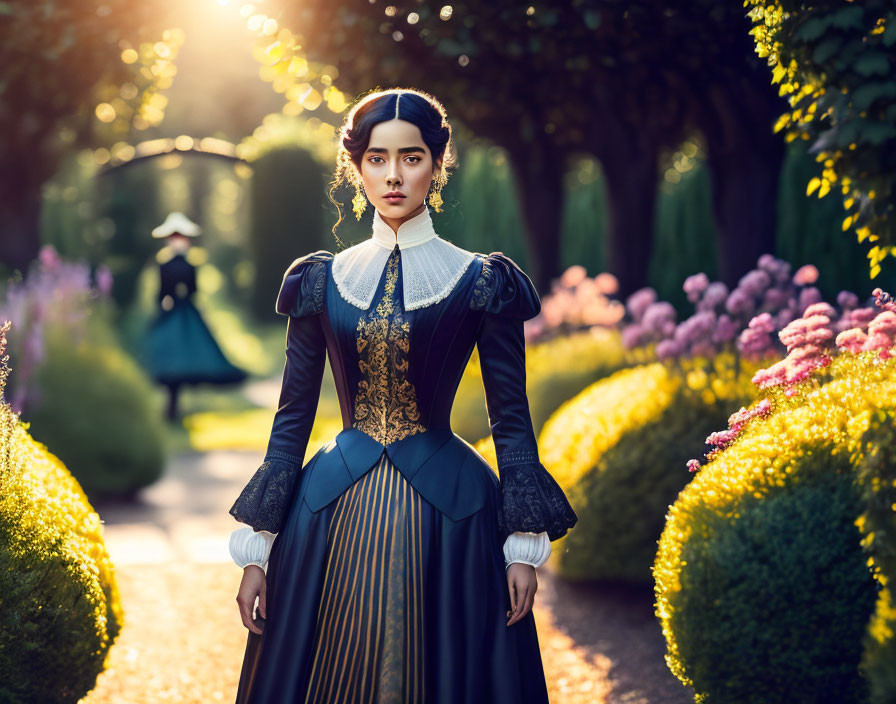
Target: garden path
[{"x": 182, "y": 640}]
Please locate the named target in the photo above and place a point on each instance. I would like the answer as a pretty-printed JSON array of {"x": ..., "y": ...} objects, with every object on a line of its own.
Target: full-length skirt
[
  {"x": 378, "y": 597},
  {"x": 180, "y": 348}
]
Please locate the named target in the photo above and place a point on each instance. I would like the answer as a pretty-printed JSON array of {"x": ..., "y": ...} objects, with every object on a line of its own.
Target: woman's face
[
  {"x": 179, "y": 242},
  {"x": 397, "y": 160}
]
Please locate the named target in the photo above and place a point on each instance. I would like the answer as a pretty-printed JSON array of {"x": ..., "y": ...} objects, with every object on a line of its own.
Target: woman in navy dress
[
  {"x": 180, "y": 349},
  {"x": 394, "y": 565}
]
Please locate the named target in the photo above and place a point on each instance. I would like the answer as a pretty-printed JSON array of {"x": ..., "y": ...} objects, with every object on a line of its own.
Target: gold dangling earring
[
  {"x": 359, "y": 203},
  {"x": 435, "y": 200}
]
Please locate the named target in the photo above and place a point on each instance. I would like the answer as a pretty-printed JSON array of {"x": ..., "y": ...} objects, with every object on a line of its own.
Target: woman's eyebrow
[{"x": 402, "y": 150}]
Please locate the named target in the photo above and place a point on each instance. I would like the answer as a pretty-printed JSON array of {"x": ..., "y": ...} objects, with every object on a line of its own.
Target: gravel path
[{"x": 182, "y": 641}]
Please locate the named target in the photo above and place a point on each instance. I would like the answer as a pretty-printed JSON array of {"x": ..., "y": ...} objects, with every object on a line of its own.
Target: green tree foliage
[
  {"x": 73, "y": 74},
  {"x": 835, "y": 62},
  {"x": 544, "y": 80},
  {"x": 287, "y": 219}
]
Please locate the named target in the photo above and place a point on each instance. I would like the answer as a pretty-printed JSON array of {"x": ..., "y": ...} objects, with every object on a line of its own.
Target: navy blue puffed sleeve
[
  {"x": 264, "y": 502},
  {"x": 532, "y": 500}
]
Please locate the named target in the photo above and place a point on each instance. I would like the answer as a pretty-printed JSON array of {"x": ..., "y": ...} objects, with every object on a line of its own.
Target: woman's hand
[
  {"x": 522, "y": 584},
  {"x": 252, "y": 585}
]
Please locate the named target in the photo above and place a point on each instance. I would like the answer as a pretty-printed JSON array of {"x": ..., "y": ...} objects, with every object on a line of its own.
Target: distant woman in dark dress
[{"x": 180, "y": 349}]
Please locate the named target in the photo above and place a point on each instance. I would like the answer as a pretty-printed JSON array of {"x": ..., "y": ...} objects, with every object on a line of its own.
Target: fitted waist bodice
[{"x": 397, "y": 371}]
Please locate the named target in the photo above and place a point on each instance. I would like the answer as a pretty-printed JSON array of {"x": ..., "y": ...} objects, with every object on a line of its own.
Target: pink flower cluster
[
  {"x": 577, "y": 301},
  {"x": 55, "y": 293},
  {"x": 813, "y": 338},
  {"x": 807, "y": 340},
  {"x": 736, "y": 422},
  {"x": 870, "y": 332},
  {"x": 764, "y": 301}
]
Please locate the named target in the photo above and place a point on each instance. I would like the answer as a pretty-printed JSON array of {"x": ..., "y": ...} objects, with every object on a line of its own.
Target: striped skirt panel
[{"x": 368, "y": 644}]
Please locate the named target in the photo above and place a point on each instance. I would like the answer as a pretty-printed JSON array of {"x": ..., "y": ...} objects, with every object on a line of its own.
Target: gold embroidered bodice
[{"x": 385, "y": 401}]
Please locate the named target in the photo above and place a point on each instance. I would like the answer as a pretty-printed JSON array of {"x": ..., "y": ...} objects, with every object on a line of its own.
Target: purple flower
[
  {"x": 725, "y": 330},
  {"x": 808, "y": 296},
  {"x": 667, "y": 349},
  {"x": 715, "y": 295},
  {"x": 697, "y": 328},
  {"x": 777, "y": 269},
  {"x": 783, "y": 317},
  {"x": 49, "y": 257},
  {"x": 847, "y": 300},
  {"x": 631, "y": 335},
  {"x": 695, "y": 285},
  {"x": 637, "y": 303},
  {"x": 775, "y": 298},
  {"x": 754, "y": 343},
  {"x": 754, "y": 283},
  {"x": 104, "y": 279},
  {"x": 704, "y": 348},
  {"x": 657, "y": 315},
  {"x": 763, "y": 323},
  {"x": 739, "y": 302},
  {"x": 766, "y": 262}
]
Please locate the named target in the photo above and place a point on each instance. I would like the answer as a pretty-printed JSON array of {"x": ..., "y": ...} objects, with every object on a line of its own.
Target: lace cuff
[
  {"x": 528, "y": 548},
  {"x": 264, "y": 501},
  {"x": 532, "y": 500},
  {"x": 250, "y": 547}
]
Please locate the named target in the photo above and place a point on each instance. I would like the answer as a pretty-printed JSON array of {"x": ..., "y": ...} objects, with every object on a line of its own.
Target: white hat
[{"x": 179, "y": 223}]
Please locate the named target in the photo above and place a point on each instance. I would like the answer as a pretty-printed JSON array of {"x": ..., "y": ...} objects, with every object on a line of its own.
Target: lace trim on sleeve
[
  {"x": 533, "y": 501},
  {"x": 264, "y": 501}
]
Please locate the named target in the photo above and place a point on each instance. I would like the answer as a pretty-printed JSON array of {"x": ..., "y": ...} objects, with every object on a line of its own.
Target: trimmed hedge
[
  {"x": 555, "y": 370},
  {"x": 878, "y": 524},
  {"x": 59, "y": 604},
  {"x": 99, "y": 414},
  {"x": 763, "y": 587},
  {"x": 620, "y": 449}
]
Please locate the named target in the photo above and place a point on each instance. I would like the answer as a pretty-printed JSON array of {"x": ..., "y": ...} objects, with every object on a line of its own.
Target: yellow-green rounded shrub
[
  {"x": 59, "y": 603},
  {"x": 620, "y": 449},
  {"x": 99, "y": 415},
  {"x": 763, "y": 588},
  {"x": 877, "y": 472},
  {"x": 556, "y": 369}
]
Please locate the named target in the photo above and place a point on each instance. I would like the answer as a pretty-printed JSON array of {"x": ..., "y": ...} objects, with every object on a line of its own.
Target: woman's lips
[{"x": 393, "y": 199}]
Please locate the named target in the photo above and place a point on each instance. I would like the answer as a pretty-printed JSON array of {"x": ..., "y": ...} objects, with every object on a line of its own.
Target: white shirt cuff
[
  {"x": 528, "y": 548},
  {"x": 251, "y": 547}
]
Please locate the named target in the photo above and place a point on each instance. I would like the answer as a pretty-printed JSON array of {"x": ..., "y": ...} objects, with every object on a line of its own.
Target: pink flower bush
[
  {"x": 811, "y": 341},
  {"x": 736, "y": 422},
  {"x": 576, "y": 301},
  {"x": 766, "y": 300},
  {"x": 695, "y": 285}
]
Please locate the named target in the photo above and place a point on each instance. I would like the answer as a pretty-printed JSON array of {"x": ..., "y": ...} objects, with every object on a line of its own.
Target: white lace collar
[{"x": 430, "y": 266}]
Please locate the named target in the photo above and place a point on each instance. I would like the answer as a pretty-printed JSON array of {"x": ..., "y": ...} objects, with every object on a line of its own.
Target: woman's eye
[{"x": 416, "y": 159}]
